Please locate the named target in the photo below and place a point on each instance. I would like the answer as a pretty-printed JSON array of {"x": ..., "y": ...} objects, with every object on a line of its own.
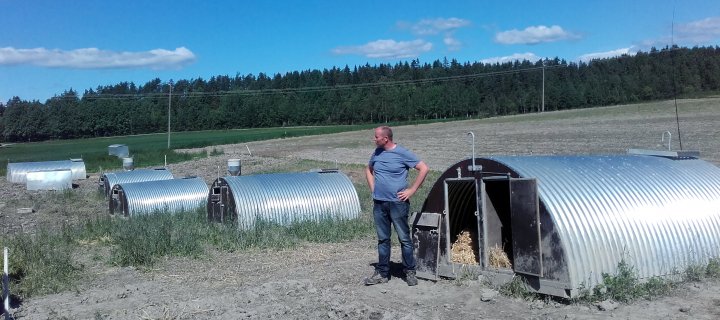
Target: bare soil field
[{"x": 324, "y": 281}]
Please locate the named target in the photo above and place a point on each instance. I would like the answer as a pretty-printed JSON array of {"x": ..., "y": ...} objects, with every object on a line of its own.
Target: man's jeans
[{"x": 386, "y": 212}]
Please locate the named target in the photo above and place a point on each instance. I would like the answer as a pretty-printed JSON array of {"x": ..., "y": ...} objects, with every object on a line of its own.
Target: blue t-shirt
[{"x": 390, "y": 168}]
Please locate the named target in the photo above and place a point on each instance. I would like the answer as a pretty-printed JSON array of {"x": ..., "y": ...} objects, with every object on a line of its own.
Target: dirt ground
[{"x": 323, "y": 281}]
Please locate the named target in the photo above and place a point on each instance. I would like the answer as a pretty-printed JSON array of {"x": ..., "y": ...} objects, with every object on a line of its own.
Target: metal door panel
[
  {"x": 426, "y": 242},
  {"x": 525, "y": 223}
]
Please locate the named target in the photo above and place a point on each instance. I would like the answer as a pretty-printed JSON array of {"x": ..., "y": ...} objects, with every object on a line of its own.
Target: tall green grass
[
  {"x": 43, "y": 263},
  {"x": 46, "y": 261}
]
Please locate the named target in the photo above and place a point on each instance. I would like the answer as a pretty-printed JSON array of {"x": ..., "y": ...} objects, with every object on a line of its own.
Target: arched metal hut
[
  {"x": 49, "y": 180},
  {"x": 118, "y": 150},
  {"x": 109, "y": 179},
  {"x": 283, "y": 198},
  {"x": 563, "y": 221},
  {"x": 17, "y": 171},
  {"x": 172, "y": 196}
]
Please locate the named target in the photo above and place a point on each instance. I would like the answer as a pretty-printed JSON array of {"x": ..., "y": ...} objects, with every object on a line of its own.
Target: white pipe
[
  {"x": 165, "y": 161},
  {"x": 473, "y": 149},
  {"x": 6, "y": 284},
  {"x": 246, "y": 146},
  {"x": 669, "y": 139}
]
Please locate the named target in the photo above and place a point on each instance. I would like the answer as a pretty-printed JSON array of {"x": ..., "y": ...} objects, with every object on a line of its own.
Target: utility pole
[
  {"x": 169, "y": 103},
  {"x": 542, "y": 108}
]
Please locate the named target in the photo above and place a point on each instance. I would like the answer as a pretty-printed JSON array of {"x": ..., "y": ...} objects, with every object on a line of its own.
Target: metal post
[
  {"x": 543, "y": 87},
  {"x": 169, "y": 103},
  {"x": 6, "y": 285}
]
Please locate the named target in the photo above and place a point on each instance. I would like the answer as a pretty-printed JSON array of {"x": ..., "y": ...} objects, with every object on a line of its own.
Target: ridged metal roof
[
  {"x": 110, "y": 179},
  {"x": 173, "y": 196},
  {"x": 49, "y": 180},
  {"x": 118, "y": 150},
  {"x": 16, "y": 171},
  {"x": 288, "y": 197},
  {"x": 658, "y": 214}
]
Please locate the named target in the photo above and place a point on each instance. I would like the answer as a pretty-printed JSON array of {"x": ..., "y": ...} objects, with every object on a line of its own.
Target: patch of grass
[
  {"x": 41, "y": 264},
  {"x": 216, "y": 152},
  {"x": 713, "y": 268},
  {"x": 466, "y": 274},
  {"x": 517, "y": 288},
  {"x": 694, "y": 273},
  {"x": 331, "y": 230},
  {"x": 625, "y": 287},
  {"x": 140, "y": 241},
  {"x": 697, "y": 273}
]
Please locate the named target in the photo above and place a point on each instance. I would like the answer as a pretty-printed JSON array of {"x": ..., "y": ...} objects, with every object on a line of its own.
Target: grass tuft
[
  {"x": 41, "y": 264},
  {"x": 625, "y": 287},
  {"x": 518, "y": 288},
  {"x": 713, "y": 268}
]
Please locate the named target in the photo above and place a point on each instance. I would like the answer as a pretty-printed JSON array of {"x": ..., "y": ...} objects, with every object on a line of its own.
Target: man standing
[{"x": 386, "y": 175}]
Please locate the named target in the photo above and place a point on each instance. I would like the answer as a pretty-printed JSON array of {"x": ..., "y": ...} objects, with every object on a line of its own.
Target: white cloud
[
  {"x": 388, "y": 49},
  {"x": 534, "y": 35},
  {"x": 700, "y": 31},
  {"x": 93, "y": 58},
  {"x": 452, "y": 43},
  {"x": 529, "y": 56},
  {"x": 608, "y": 54},
  {"x": 431, "y": 27},
  {"x": 434, "y": 26}
]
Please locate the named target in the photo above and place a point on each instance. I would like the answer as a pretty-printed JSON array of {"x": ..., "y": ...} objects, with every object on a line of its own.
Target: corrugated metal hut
[
  {"x": 283, "y": 198},
  {"x": 563, "y": 221},
  {"x": 172, "y": 196},
  {"x": 118, "y": 150},
  {"x": 109, "y": 179},
  {"x": 17, "y": 171},
  {"x": 49, "y": 180}
]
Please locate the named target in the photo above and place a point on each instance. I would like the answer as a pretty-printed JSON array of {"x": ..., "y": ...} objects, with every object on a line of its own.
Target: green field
[{"x": 150, "y": 149}]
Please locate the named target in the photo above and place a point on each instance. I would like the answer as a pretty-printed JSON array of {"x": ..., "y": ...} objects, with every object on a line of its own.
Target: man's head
[{"x": 383, "y": 136}]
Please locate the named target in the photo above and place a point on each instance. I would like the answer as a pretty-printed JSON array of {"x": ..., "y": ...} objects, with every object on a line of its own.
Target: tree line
[{"x": 405, "y": 91}]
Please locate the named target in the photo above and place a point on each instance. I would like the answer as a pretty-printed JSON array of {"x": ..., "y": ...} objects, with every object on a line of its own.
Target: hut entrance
[
  {"x": 118, "y": 202},
  {"x": 463, "y": 226},
  {"x": 220, "y": 205},
  {"x": 512, "y": 224}
]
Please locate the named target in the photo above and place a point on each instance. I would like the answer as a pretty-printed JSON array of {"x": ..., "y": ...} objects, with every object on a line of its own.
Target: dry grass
[
  {"x": 462, "y": 250},
  {"x": 498, "y": 258}
]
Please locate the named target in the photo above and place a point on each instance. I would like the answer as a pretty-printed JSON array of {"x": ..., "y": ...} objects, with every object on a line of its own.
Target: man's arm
[
  {"x": 370, "y": 178},
  {"x": 422, "y": 173}
]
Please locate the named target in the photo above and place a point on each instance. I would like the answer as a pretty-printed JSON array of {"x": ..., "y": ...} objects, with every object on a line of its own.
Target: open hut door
[
  {"x": 220, "y": 207},
  {"x": 426, "y": 240},
  {"x": 525, "y": 217}
]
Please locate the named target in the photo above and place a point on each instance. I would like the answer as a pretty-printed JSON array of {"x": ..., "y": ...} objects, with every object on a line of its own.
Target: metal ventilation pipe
[
  {"x": 669, "y": 138},
  {"x": 234, "y": 167},
  {"x": 473, "y": 167},
  {"x": 128, "y": 164}
]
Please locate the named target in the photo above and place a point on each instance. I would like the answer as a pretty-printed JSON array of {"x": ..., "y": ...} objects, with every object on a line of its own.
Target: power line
[{"x": 256, "y": 92}]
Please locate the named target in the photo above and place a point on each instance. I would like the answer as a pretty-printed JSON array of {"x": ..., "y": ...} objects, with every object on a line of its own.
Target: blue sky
[{"x": 49, "y": 46}]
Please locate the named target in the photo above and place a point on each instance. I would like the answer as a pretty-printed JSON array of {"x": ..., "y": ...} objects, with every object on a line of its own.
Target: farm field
[
  {"x": 323, "y": 280},
  {"x": 149, "y": 149}
]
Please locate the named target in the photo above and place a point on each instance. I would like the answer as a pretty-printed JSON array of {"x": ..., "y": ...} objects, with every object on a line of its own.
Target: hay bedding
[
  {"x": 498, "y": 258},
  {"x": 462, "y": 250}
]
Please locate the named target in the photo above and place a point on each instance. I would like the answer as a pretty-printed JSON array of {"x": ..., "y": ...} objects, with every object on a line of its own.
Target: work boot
[
  {"x": 376, "y": 278},
  {"x": 410, "y": 278}
]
